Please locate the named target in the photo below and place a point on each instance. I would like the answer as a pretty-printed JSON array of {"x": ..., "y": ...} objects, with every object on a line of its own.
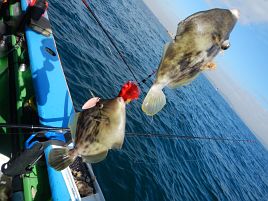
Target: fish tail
[
  {"x": 154, "y": 100},
  {"x": 61, "y": 158}
]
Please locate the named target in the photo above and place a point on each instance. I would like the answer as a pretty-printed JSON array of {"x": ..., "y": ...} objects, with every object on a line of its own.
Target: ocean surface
[{"x": 156, "y": 169}]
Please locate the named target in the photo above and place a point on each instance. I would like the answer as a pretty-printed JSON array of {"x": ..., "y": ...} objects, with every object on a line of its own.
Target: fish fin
[
  {"x": 222, "y": 52},
  {"x": 96, "y": 157},
  {"x": 208, "y": 66},
  {"x": 73, "y": 123},
  {"x": 166, "y": 46},
  {"x": 118, "y": 144},
  {"x": 180, "y": 29},
  {"x": 96, "y": 148},
  {"x": 183, "y": 82},
  {"x": 177, "y": 85},
  {"x": 118, "y": 139},
  {"x": 90, "y": 103},
  {"x": 61, "y": 158},
  {"x": 154, "y": 100}
]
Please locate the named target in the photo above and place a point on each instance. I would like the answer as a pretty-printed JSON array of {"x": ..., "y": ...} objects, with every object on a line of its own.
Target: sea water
[{"x": 156, "y": 169}]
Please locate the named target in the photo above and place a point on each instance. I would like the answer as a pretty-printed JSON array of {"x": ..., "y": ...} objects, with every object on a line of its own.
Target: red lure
[
  {"x": 129, "y": 91},
  {"x": 32, "y": 2}
]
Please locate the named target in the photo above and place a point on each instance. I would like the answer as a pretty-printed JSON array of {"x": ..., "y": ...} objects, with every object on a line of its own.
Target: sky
[{"x": 242, "y": 70}]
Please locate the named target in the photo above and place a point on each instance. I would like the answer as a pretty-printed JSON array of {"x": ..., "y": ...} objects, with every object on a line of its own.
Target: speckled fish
[
  {"x": 199, "y": 38},
  {"x": 96, "y": 130}
]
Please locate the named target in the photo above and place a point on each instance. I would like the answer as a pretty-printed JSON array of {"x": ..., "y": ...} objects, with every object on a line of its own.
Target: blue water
[{"x": 156, "y": 169}]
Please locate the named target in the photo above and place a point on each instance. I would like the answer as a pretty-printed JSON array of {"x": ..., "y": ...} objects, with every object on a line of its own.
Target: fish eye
[
  {"x": 100, "y": 106},
  {"x": 225, "y": 45}
]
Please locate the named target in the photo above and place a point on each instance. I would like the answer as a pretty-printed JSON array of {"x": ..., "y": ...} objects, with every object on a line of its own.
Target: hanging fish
[
  {"x": 98, "y": 128},
  {"x": 199, "y": 38}
]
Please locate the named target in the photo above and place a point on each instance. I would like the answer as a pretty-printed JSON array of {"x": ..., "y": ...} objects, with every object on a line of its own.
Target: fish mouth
[
  {"x": 235, "y": 13},
  {"x": 120, "y": 99}
]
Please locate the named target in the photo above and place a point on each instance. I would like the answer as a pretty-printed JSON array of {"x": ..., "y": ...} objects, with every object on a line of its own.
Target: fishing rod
[
  {"x": 33, "y": 127},
  {"x": 129, "y": 134}
]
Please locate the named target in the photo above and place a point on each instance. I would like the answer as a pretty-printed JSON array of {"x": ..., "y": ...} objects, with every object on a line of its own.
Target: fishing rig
[
  {"x": 43, "y": 137},
  {"x": 34, "y": 91},
  {"x": 53, "y": 118},
  {"x": 115, "y": 46}
]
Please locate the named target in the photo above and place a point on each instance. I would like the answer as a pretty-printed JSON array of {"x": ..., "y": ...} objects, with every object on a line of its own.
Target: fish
[
  {"x": 199, "y": 38},
  {"x": 95, "y": 130},
  {"x": 5, "y": 181}
]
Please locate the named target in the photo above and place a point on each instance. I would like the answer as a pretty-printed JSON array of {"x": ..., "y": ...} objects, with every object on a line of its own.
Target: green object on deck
[
  {"x": 5, "y": 140},
  {"x": 35, "y": 185}
]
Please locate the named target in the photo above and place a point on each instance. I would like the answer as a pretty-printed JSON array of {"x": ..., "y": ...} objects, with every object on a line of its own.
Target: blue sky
[{"x": 246, "y": 60}]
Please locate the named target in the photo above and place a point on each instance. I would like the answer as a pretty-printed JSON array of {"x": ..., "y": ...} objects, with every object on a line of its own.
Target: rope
[{"x": 109, "y": 37}]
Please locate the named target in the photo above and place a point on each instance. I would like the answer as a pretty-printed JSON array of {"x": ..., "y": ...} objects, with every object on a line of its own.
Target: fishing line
[
  {"x": 185, "y": 137},
  {"x": 160, "y": 159},
  {"x": 109, "y": 37},
  {"x": 128, "y": 134},
  {"x": 145, "y": 79}
]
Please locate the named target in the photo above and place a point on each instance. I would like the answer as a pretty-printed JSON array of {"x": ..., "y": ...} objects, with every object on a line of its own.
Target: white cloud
[
  {"x": 165, "y": 11},
  {"x": 250, "y": 11}
]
